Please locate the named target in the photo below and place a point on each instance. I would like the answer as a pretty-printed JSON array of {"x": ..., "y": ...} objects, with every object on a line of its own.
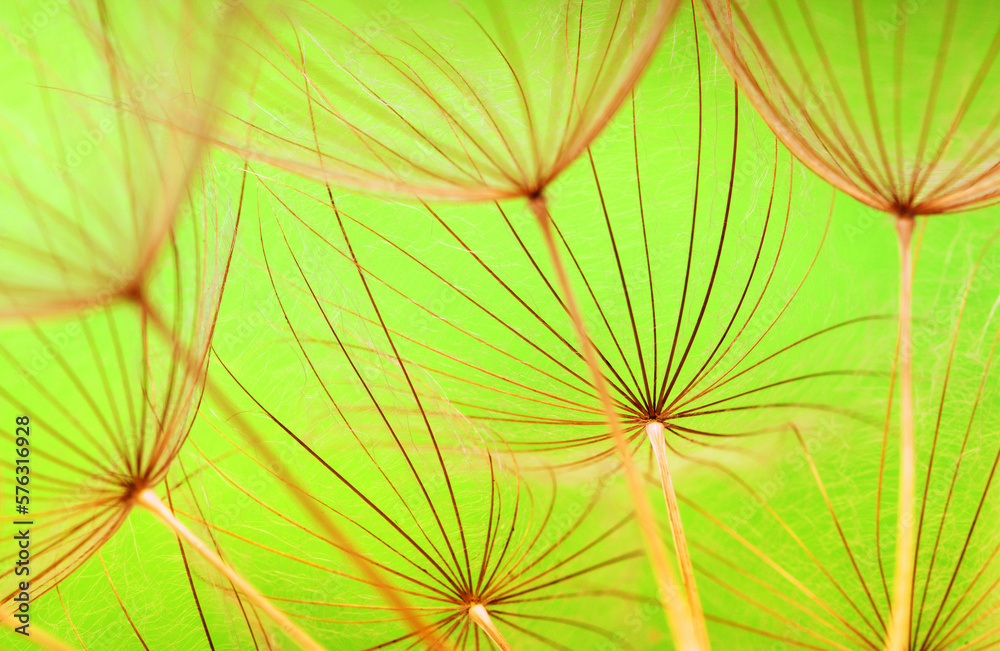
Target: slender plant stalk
[
  {"x": 149, "y": 500},
  {"x": 38, "y": 636},
  {"x": 671, "y": 597},
  {"x": 478, "y": 614},
  {"x": 372, "y": 573},
  {"x": 655, "y": 432},
  {"x": 899, "y": 629}
]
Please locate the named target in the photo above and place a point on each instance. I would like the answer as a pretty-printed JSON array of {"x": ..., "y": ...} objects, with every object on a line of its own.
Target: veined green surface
[{"x": 854, "y": 275}]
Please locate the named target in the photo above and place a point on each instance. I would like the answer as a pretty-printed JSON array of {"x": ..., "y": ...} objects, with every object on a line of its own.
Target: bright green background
[{"x": 855, "y": 275}]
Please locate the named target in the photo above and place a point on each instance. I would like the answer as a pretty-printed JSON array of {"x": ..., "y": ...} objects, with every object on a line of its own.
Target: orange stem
[
  {"x": 478, "y": 614},
  {"x": 149, "y": 500},
  {"x": 671, "y": 597},
  {"x": 655, "y": 434},
  {"x": 38, "y": 636},
  {"x": 902, "y": 601},
  {"x": 372, "y": 574}
]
